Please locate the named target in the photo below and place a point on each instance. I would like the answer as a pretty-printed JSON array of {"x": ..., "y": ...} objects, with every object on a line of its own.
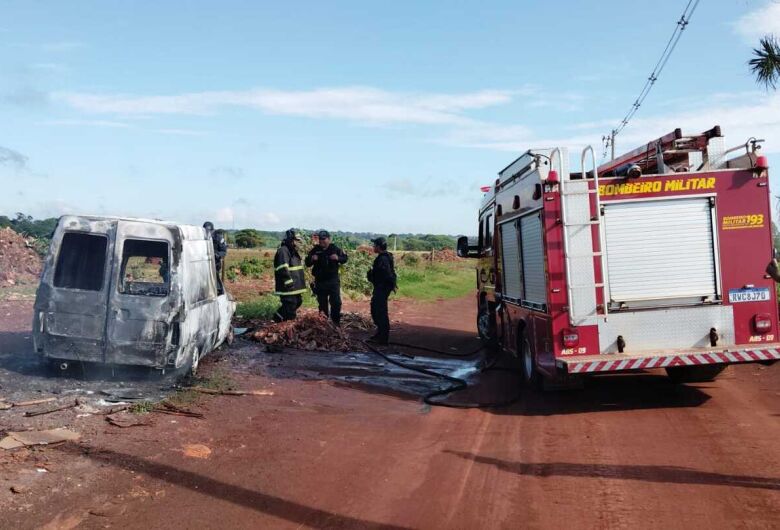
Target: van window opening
[
  {"x": 488, "y": 235},
  {"x": 81, "y": 263},
  {"x": 145, "y": 268}
]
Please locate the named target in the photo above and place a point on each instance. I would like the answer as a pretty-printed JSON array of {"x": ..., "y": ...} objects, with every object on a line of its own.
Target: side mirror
[
  {"x": 464, "y": 250},
  {"x": 463, "y": 247}
]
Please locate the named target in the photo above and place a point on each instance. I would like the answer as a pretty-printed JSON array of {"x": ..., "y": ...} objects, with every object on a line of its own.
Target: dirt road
[{"x": 345, "y": 442}]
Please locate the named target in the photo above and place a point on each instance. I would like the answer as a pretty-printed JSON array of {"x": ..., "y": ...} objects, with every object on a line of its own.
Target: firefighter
[
  {"x": 382, "y": 276},
  {"x": 288, "y": 273},
  {"x": 325, "y": 259},
  {"x": 773, "y": 270},
  {"x": 220, "y": 251}
]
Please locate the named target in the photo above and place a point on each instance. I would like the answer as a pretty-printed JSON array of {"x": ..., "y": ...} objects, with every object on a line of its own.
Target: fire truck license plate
[{"x": 748, "y": 295}]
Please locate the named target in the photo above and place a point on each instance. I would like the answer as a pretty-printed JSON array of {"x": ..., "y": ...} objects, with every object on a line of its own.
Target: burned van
[{"x": 129, "y": 292}]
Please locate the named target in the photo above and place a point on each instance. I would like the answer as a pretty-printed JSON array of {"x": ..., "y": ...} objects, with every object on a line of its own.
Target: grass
[
  {"x": 185, "y": 396},
  {"x": 264, "y": 306},
  {"x": 18, "y": 292},
  {"x": 436, "y": 281}
]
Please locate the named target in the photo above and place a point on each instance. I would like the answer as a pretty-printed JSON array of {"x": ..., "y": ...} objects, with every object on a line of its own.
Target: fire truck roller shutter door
[
  {"x": 535, "y": 285},
  {"x": 512, "y": 280},
  {"x": 661, "y": 250}
]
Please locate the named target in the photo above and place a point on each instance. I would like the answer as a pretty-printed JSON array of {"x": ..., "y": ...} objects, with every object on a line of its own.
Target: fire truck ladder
[{"x": 584, "y": 191}]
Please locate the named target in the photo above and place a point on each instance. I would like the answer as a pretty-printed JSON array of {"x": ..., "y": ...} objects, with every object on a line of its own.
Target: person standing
[
  {"x": 382, "y": 276},
  {"x": 325, "y": 258},
  {"x": 220, "y": 251},
  {"x": 289, "y": 277}
]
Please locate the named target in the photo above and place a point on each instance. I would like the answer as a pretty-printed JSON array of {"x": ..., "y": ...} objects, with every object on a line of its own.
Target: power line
[{"x": 671, "y": 44}]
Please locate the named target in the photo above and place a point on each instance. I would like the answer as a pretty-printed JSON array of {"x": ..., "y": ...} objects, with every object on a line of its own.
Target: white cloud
[
  {"x": 224, "y": 215},
  {"x": 227, "y": 172},
  {"x": 270, "y": 218},
  {"x": 181, "y": 132},
  {"x": 53, "y": 68},
  {"x": 61, "y": 46},
  {"x": 757, "y": 116},
  {"x": 360, "y": 104},
  {"x": 759, "y": 22},
  {"x": 90, "y": 123},
  {"x": 12, "y": 159}
]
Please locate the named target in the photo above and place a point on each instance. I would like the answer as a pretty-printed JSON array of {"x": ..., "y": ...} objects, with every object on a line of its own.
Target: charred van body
[{"x": 130, "y": 292}]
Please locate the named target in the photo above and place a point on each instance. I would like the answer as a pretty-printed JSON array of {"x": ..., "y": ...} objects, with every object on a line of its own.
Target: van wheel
[
  {"x": 231, "y": 337},
  {"x": 531, "y": 377},
  {"x": 695, "y": 374}
]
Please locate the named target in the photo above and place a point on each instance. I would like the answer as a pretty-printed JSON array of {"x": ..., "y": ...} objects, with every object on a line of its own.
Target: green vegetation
[
  {"x": 261, "y": 308},
  {"x": 142, "y": 407},
  {"x": 253, "y": 267},
  {"x": 765, "y": 63},
  {"x": 353, "y": 240},
  {"x": 354, "y": 283},
  {"x": 248, "y": 238},
  {"x": 264, "y": 306},
  {"x": 432, "y": 281},
  {"x": 39, "y": 229}
]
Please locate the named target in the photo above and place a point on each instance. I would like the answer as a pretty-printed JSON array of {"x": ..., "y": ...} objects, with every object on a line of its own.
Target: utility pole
[{"x": 612, "y": 143}]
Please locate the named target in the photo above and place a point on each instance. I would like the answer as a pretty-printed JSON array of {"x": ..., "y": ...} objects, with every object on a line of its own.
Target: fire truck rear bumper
[{"x": 618, "y": 362}]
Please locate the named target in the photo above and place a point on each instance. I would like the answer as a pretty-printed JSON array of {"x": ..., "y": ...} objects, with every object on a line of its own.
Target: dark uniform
[
  {"x": 289, "y": 277},
  {"x": 327, "y": 285},
  {"x": 220, "y": 251},
  {"x": 382, "y": 276}
]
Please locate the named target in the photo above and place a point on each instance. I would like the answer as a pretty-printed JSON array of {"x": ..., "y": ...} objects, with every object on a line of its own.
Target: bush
[
  {"x": 261, "y": 308},
  {"x": 353, "y": 274},
  {"x": 252, "y": 267},
  {"x": 248, "y": 238},
  {"x": 411, "y": 259}
]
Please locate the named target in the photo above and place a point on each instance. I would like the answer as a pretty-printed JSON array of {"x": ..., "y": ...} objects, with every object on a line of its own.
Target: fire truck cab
[{"x": 653, "y": 260}]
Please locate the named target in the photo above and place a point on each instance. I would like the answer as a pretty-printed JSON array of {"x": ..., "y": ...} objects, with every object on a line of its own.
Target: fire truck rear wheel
[
  {"x": 486, "y": 327},
  {"x": 694, "y": 374},
  {"x": 531, "y": 377}
]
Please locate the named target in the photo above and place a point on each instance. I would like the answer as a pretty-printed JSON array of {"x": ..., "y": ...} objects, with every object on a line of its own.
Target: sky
[{"x": 347, "y": 115}]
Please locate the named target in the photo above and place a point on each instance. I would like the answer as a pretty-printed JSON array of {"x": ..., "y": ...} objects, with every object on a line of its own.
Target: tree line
[{"x": 42, "y": 229}]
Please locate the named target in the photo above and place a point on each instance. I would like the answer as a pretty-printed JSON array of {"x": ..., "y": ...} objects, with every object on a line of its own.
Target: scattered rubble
[
  {"x": 127, "y": 419},
  {"x": 312, "y": 331},
  {"x": 49, "y": 411},
  {"x": 33, "y": 402},
  {"x": 19, "y": 263},
  {"x": 15, "y": 440}
]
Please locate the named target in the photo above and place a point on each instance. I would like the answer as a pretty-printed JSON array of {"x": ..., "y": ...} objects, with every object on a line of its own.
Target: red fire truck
[{"x": 653, "y": 260}]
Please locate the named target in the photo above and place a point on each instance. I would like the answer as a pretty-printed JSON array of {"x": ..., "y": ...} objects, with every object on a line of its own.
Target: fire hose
[{"x": 458, "y": 384}]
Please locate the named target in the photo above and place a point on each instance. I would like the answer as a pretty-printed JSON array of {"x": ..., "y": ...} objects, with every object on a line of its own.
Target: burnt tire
[
  {"x": 695, "y": 374},
  {"x": 192, "y": 369},
  {"x": 531, "y": 377}
]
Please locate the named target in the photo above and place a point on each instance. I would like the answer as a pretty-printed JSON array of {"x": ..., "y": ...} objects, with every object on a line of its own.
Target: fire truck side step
[
  {"x": 570, "y": 193},
  {"x": 589, "y": 223}
]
